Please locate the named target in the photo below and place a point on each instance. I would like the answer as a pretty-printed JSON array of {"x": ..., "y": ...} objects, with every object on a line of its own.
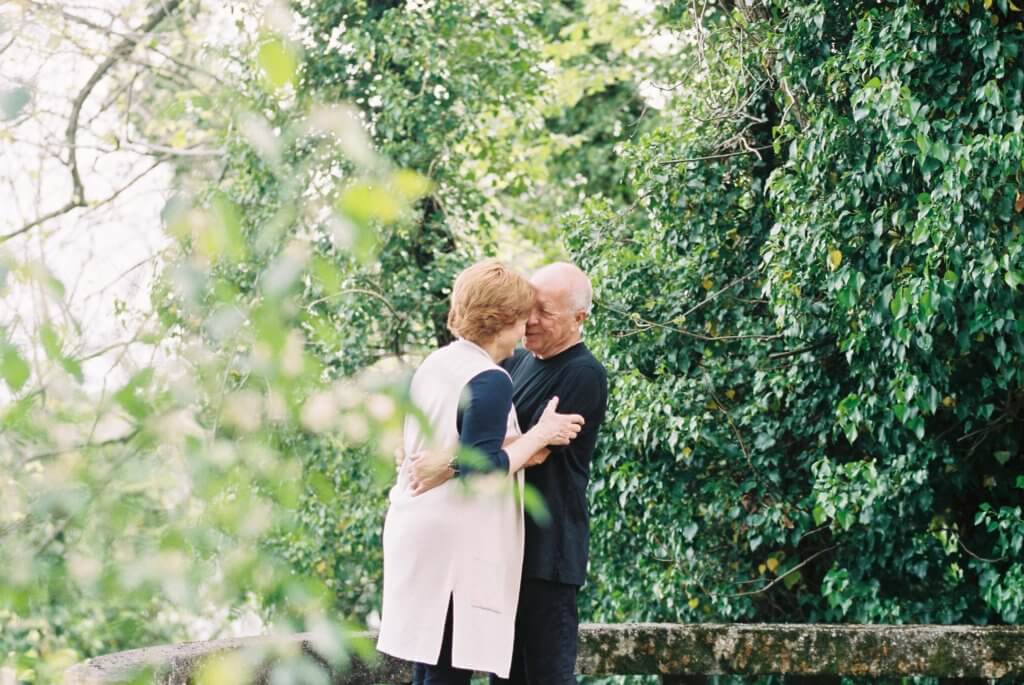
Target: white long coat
[{"x": 453, "y": 541}]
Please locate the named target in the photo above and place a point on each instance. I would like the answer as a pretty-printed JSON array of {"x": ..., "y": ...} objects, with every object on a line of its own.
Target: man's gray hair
[{"x": 583, "y": 299}]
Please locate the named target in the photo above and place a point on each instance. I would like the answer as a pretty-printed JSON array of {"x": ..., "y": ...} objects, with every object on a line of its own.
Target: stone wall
[{"x": 682, "y": 653}]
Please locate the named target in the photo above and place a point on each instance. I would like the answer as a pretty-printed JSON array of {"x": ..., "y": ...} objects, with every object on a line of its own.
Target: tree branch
[
  {"x": 787, "y": 573},
  {"x": 73, "y": 204},
  {"x": 44, "y": 7},
  {"x": 825, "y": 342},
  {"x": 122, "y": 50},
  {"x": 715, "y": 295},
  {"x": 979, "y": 558},
  {"x": 724, "y": 155},
  {"x": 735, "y": 431},
  {"x": 56, "y": 453},
  {"x": 360, "y": 291},
  {"x": 646, "y": 324}
]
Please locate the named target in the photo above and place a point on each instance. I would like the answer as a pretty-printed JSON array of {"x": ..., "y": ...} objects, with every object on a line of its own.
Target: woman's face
[{"x": 509, "y": 337}]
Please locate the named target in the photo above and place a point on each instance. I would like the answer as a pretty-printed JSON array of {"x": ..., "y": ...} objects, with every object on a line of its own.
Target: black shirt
[{"x": 557, "y": 551}]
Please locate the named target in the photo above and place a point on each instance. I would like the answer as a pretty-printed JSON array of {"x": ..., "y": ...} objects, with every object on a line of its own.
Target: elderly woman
[{"x": 453, "y": 555}]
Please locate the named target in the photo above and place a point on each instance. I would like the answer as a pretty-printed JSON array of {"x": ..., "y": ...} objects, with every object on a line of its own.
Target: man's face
[{"x": 552, "y": 325}]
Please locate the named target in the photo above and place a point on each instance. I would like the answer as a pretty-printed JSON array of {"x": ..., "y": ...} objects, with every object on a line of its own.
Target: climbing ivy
[{"x": 814, "y": 327}]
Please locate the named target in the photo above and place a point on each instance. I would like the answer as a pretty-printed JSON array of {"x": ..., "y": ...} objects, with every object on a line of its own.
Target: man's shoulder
[
  {"x": 585, "y": 362},
  {"x": 582, "y": 377}
]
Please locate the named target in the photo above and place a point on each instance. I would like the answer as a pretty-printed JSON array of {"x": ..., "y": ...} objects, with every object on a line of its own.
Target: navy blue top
[{"x": 483, "y": 419}]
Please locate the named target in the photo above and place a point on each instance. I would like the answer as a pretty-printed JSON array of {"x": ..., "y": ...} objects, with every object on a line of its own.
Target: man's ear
[{"x": 580, "y": 316}]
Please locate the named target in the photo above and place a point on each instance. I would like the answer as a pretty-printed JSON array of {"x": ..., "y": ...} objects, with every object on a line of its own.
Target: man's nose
[{"x": 532, "y": 321}]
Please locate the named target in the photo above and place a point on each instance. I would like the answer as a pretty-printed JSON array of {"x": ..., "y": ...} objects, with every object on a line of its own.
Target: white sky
[
  {"x": 91, "y": 250},
  {"x": 100, "y": 254}
]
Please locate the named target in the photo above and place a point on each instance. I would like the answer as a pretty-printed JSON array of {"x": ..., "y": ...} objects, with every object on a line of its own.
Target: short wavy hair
[{"x": 486, "y": 298}]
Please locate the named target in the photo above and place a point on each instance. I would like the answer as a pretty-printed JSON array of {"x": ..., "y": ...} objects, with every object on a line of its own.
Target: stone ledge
[
  {"x": 972, "y": 652},
  {"x": 803, "y": 650}
]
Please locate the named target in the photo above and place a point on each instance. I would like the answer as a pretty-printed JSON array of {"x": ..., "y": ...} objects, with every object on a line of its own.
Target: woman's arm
[
  {"x": 484, "y": 422},
  {"x": 539, "y": 457},
  {"x": 551, "y": 429}
]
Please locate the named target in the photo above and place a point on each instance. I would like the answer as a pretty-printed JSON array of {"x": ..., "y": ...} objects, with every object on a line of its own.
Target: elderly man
[{"x": 555, "y": 362}]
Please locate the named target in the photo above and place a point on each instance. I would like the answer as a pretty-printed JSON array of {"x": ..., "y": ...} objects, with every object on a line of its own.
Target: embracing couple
[{"x": 470, "y": 584}]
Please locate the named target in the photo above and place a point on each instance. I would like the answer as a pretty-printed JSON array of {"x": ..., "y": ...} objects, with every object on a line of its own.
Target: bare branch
[
  {"x": 979, "y": 558},
  {"x": 714, "y": 296},
  {"x": 73, "y": 204},
  {"x": 811, "y": 532},
  {"x": 8, "y": 44},
  {"x": 724, "y": 155},
  {"x": 164, "y": 152},
  {"x": 122, "y": 50},
  {"x": 808, "y": 348},
  {"x": 54, "y": 9},
  {"x": 360, "y": 291},
  {"x": 776, "y": 581},
  {"x": 109, "y": 348},
  {"x": 56, "y": 453},
  {"x": 800, "y": 118},
  {"x": 732, "y": 425},
  {"x": 132, "y": 181},
  {"x": 124, "y": 273},
  {"x": 646, "y": 324}
]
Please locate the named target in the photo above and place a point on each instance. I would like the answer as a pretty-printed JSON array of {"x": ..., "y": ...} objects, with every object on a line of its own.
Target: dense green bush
[
  {"x": 815, "y": 336},
  {"x": 443, "y": 104},
  {"x": 378, "y": 236}
]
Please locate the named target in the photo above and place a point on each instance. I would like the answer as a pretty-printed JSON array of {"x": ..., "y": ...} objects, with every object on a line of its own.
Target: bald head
[
  {"x": 570, "y": 281},
  {"x": 563, "y": 303}
]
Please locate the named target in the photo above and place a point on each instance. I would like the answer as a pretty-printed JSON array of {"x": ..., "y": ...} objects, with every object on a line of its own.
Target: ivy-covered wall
[{"x": 815, "y": 328}]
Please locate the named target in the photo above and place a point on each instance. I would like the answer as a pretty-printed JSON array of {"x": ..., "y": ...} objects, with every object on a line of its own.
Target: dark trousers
[
  {"x": 547, "y": 622},
  {"x": 443, "y": 673}
]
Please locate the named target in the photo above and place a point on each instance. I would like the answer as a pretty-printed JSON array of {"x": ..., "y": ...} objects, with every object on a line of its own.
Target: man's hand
[{"x": 426, "y": 473}]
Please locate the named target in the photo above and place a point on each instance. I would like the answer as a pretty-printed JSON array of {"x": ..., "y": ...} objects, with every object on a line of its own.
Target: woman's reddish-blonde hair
[{"x": 486, "y": 298}]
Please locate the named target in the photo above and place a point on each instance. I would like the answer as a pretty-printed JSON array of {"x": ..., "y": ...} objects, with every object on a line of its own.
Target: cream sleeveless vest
[{"x": 463, "y": 539}]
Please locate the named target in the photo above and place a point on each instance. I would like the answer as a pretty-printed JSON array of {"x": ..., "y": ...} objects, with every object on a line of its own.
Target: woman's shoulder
[
  {"x": 492, "y": 381},
  {"x": 458, "y": 363}
]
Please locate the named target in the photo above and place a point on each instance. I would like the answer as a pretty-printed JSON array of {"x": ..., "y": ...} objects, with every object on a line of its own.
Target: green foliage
[
  {"x": 380, "y": 248},
  {"x": 814, "y": 327},
  {"x": 808, "y": 269},
  {"x": 359, "y": 155},
  {"x": 339, "y": 521}
]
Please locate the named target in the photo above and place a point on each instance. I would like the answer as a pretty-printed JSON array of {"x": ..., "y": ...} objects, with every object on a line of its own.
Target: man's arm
[
  {"x": 582, "y": 390},
  {"x": 586, "y": 393}
]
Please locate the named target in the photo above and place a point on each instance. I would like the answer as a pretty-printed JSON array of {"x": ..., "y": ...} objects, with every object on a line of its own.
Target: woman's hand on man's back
[{"x": 426, "y": 473}]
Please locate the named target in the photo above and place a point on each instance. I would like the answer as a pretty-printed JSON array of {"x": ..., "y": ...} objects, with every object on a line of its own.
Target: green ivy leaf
[
  {"x": 13, "y": 368},
  {"x": 130, "y": 396},
  {"x": 278, "y": 61}
]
